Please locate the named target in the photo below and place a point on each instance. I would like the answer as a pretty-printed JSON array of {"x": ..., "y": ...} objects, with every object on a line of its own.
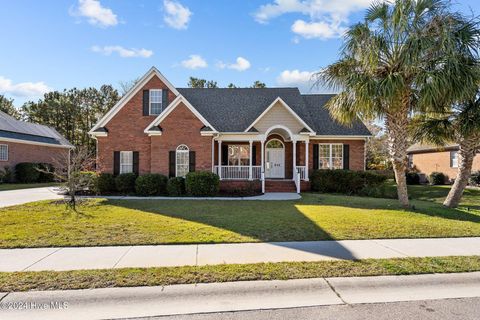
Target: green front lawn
[
  {"x": 314, "y": 217},
  {"x": 129, "y": 277},
  {"x": 17, "y": 186}
]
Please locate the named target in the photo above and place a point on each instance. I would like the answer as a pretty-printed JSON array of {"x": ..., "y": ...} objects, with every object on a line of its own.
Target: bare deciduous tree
[{"x": 68, "y": 168}]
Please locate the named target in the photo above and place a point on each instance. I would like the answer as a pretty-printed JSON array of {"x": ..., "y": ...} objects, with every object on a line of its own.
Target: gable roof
[
  {"x": 126, "y": 97},
  {"x": 179, "y": 99},
  {"x": 289, "y": 110},
  {"x": 11, "y": 128},
  {"x": 234, "y": 110}
]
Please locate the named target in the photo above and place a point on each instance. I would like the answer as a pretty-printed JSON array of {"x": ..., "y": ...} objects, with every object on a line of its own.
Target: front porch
[{"x": 276, "y": 155}]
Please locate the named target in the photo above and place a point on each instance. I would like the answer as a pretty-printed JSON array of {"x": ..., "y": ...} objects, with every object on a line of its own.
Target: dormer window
[{"x": 155, "y": 101}]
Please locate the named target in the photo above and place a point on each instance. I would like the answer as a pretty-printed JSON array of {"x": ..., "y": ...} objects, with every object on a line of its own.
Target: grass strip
[{"x": 129, "y": 277}]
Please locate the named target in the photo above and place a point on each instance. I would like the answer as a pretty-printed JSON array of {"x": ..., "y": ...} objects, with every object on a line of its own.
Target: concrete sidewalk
[
  {"x": 37, "y": 259},
  {"x": 122, "y": 303}
]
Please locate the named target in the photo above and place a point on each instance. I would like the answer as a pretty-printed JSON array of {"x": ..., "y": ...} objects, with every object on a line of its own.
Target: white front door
[{"x": 275, "y": 165}]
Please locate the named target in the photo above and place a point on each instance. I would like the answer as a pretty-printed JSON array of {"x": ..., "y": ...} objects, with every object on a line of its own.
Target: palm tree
[
  {"x": 460, "y": 125},
  {"x": 406, "y": 56}
]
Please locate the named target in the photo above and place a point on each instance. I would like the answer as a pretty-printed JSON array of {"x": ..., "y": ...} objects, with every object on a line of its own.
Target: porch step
[{"x": 280, "y": 186}]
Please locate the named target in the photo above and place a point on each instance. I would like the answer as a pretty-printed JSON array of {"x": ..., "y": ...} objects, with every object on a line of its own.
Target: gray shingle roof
[
  {"x": 323, "y": 123},
  {"x": 234, "y": 110},
  {"x": 15, "y": 129}
]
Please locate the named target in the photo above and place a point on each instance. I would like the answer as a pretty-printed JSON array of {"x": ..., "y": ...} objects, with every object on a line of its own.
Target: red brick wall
[
  {"x": 125, "y": 131},
  {"x": 22, "y": 152},
  {"x": 439, "y": 161},
  {"x": 181, "y": 126},
  {"x": 357, "y": 152}
]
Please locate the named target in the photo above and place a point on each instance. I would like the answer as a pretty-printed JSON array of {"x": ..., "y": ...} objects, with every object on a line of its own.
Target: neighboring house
[
  {"x": 22, "y": 141},
  {"x": 428, "y": 158},
  {"x": 240, "y": 134}
]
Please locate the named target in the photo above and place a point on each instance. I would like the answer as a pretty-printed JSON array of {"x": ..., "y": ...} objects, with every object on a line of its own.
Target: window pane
[
  {"x": 324, "y": 164},
  {"x": 454, "y": 159},
  {"x": 274, "y": 144},
  {"x": 182, "y": 161},
  {"x": 155, "y": 101},
  {"x": 238, "y": 155},
  {"x": 3, "y": 152},
  {"x": 126, "y": 161}
]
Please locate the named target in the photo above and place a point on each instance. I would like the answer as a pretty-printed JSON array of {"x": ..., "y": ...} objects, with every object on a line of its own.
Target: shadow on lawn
[{"x": 279, "y": 221}]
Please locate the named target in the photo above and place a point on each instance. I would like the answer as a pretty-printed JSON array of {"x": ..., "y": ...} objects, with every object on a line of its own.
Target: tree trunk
[
  {"x": 466, "y": 153},
  {"x": 396, "y": 127}
]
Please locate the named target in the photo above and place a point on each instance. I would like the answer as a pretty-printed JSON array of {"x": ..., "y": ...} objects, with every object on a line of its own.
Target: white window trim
[
  {"x": 178, "y": 150},
  {"x": 330, "y": 158},
  {"x": 150, "y": 101},
  {"x": 125, "y": 164},
  {"x": 6, "y": 146}
]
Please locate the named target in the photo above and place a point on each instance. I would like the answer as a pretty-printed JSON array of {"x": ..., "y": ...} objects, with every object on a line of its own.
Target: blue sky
[{"x": 79, "y": 43}]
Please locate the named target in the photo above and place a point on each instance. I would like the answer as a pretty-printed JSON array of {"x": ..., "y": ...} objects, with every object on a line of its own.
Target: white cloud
[
  {"x": 296, "y": 78},
  {"x": 328, "y": 18},
  {"x": 23, "y": 89},
  {"x": 320, "y": 30},
  {"x": 123, "y": 52},
  {"x": 195, "y": 61},
  {"x": 96, "y": 13},
  {"x": 176, "y": 15},
  {"x": 241, "y": 64}
]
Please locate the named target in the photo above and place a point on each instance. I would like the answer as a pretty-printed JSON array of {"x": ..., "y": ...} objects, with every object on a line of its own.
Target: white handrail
[{"x": 238, "y": 172}]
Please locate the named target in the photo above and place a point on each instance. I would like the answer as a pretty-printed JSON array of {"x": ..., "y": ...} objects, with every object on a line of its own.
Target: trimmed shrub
[
  {"x": 45, "y": 176},
  {"x": 151, "y": 184},
  {"x": 176, "y": 186},
  {"x": 344, "y": 181},
  {"x": 412, "y": 178},
  {"x": 125, "y": 182},
  {"x": 475, "y": 179},
  {"x": 26, "y": 172},
  {"x": 7, "y": 175},
  {"x": 437, "y": 178},
  {"x": 105, "y": 183},
  {"x": 202, "y": 184}
]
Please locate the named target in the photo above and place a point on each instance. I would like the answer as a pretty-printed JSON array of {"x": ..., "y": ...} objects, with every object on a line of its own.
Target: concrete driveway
[{"x": 15, "y": 197}]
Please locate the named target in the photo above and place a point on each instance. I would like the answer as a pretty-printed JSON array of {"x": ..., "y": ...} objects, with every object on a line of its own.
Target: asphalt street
[{"x": 452, "y": 309}]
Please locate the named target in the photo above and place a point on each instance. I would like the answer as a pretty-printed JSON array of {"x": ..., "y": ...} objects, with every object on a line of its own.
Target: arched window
[
  {"x": 182, "y": 161},
  {"x": 274, "y": 144}
]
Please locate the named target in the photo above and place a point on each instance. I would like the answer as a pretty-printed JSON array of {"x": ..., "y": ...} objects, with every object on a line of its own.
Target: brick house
[
  {"x": 428, "y": 158},
  {"x": 270, "y": 137},
  {"x": 22, "y": 141}
]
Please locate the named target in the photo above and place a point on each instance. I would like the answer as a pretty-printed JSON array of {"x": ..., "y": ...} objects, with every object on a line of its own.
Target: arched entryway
[{"x": 275, "y": 159}]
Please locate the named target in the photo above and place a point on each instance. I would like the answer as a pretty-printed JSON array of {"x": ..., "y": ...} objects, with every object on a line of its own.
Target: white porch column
[
  {"x": 294, "y": 143},
  {"x": 220, "y": 159},
  {"x": 262, "y": 169},
  {"x": 306, "y": 160},
  {"x": 250, "y": 162}
]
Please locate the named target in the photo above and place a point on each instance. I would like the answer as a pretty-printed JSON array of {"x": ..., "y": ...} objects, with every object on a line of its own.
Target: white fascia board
[
  {"x": 179, "y": 99},
  {"x": 36, "y": 143},
  {"x": 290, "y": 110},
  {"x": 134, "y": 90}
]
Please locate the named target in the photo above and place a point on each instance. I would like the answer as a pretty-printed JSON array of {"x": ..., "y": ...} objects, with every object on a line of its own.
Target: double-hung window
[
  {"x": 330, "y": 156},
  {"x": 238, "y": 155},
  {"x": 155, "y": 101},
  {"x": 454, "y": 159},
  {"x": 3, "y": 152},
  {"x": 126, "y": 161},
  {"x": 182, "y": 162}
]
